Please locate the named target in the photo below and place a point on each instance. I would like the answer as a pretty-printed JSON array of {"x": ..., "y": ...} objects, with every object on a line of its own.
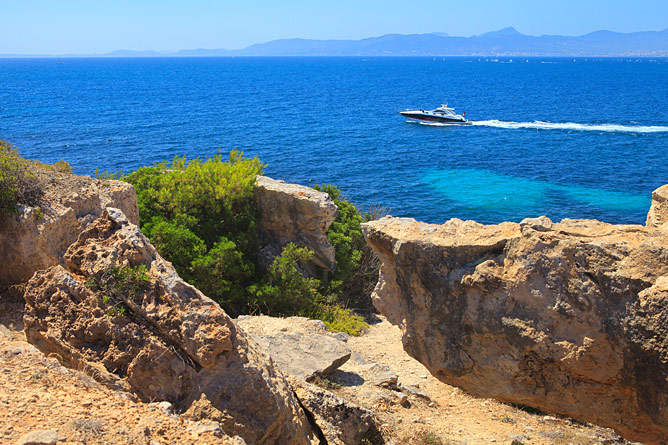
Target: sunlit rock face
[
  {"x": 569, "y": 317},
  {"x": 163, "y": 339},
  {"x": 292, "y": 213},
  {"x": 37, "y": 237}
]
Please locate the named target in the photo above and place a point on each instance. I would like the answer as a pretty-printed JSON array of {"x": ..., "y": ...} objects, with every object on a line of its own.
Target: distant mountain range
[{"x": 505, "y": 42}]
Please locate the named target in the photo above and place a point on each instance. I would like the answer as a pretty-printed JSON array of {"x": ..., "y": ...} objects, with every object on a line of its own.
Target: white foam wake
[{"x": 612, "y": 128}]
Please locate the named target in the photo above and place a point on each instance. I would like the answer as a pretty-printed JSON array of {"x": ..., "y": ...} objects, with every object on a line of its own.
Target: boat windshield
[{"x": 445, "y": 110}]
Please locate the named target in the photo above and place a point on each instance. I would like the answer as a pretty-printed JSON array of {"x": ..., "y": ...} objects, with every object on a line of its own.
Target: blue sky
[{"x": 75, "y": 26}]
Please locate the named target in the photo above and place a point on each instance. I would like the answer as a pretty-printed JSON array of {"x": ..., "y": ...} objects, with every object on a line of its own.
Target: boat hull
[{"x": 431, "y": 118}]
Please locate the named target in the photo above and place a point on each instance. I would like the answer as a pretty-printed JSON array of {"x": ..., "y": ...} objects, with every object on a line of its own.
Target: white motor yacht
[{"x": 441, "y": 115}]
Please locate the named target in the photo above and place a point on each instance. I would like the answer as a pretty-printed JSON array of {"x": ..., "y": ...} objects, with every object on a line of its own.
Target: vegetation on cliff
[
  {"x": 18, "y": 179},
  {"x": 201, "y": 216}
]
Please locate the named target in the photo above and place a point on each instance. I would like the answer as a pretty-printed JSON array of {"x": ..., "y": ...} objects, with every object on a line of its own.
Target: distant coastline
[{"x": 507, "y": 42}]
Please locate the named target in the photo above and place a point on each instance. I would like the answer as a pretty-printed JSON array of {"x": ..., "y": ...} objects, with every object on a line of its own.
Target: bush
[
  {"x": 286, "y": 290},
  {"x": 339, "y": 319},
  {"x": 17, "y": 182},
  {"x": 201, "y": 216},
  {"x": 356, "y": 264}
]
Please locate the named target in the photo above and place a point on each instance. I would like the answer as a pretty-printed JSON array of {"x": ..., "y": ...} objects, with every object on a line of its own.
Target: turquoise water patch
[
  {"x": 483, "y": 189},
  {"x": 486, "y": 190}
]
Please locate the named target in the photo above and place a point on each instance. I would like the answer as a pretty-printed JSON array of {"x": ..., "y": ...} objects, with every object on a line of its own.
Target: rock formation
[
  {"x": 340, "y": 421},
  {"x": 658, "y": 212},
  {"x": 163, "y": 336},
  {"x": 300, "y": 347},
  {"x": 303, "y": 349},
  {"x": 569, "y": 317},
  {"x": 36, "y": 238},
  {"x": 292, "y": 213}
]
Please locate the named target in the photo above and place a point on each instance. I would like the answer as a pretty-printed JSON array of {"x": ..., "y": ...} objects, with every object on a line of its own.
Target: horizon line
[{"x": 174, "y": 53}]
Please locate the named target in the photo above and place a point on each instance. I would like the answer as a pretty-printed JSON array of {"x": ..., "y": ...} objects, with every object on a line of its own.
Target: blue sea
[{"x": 583, "y": 138}]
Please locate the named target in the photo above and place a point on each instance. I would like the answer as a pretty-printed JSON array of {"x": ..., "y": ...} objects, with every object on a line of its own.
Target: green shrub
[
  {"x": 286, "y": 291},
  {"x": 118, "y": 283},
  {"x": 17, "y": 181},
  {"x": 340, "y": 319},
  {"x": 356, "y": 265},
  {"x": 108, "y": 175},
  {"x": 177, "y": 243},
  {"x": 201, "y": 216},
  {"x": 222, "y": 273}
]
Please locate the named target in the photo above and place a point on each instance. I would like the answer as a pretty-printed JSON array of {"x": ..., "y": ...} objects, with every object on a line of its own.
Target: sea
[{"x": 562, "y": 137}]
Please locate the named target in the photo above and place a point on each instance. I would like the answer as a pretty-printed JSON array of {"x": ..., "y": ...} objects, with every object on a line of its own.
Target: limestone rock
[
  {"x": 294, "y": 213},
  {"x": 41, "y": 437},
  {"x": 341, "y": 422},
  {"x": 658, "y": 212},
  {"x": 569, "y": 317},
  {"x": 300, "y": 347},
  {"x": 170, "y": 342},
  {"x": 34, "y": 240}
]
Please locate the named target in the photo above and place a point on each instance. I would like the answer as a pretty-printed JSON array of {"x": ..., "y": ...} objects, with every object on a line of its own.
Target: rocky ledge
[
  {"x": 569, "y": 317},
  {"x": 162, "y": 336},
  {"x": 36, "y": 237}
]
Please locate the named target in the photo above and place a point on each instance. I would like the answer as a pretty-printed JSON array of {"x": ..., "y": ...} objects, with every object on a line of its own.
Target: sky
[{"x": 93, "y": 26}]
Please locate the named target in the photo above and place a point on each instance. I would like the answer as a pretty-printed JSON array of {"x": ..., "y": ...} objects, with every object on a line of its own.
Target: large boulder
[
  {"x": 300, "y": 347},
  {"x": 292, "y": 213},
  {"x": 658, "y": 212},
  {"x": 153, "y": 331},
  {"x": 37, "y": 237},
  {"x": 569, "y": 317}
]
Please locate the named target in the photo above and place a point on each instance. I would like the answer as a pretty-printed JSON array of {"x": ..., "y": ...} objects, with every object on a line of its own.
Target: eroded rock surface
[
  {"x": 37, "y": 238},
  {"x": 300, "y": 347},
  {"x": 568, "y": 317},
  {"x": 169, "y": 341},
  {"x": 658, "y": 212},
  {"x": 294, "y": 213},
  {"x": 341, "y": 422}
]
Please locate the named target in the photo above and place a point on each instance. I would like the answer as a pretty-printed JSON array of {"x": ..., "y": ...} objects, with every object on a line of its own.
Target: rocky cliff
[
  {"x": 569, "y": 317},
  {"x": 658, "y": 212},
  {"x": 36, "y": 237},
  {"x": 162, "y": 336}
]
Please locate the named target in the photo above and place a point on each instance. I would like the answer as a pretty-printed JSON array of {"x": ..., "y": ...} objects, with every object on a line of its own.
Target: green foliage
[
  {"x": 176, "y": 242},
  {"x": 340, "y": 319},
  {"x": 325, "y": 383},
  {"x": 127, "y": 281},
  {"x": 117, "y": 311},
  {"x": 356, "y": 265},
  {"x": 222, "y": 273},
  {"x": 201, "y": 216},
  {"x": 118, "y": 283},
  {"x": 286, "y": 291},
  {"x": 118, "y": 176},
  {"x": 17, "y": 181}
]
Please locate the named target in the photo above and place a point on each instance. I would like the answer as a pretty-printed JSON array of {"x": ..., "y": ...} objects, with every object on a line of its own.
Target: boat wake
[{"x": 571, "y": 126}]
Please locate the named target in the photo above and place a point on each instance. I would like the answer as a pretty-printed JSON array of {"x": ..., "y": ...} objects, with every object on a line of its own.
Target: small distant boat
[{"x": 441, "y": 115}]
